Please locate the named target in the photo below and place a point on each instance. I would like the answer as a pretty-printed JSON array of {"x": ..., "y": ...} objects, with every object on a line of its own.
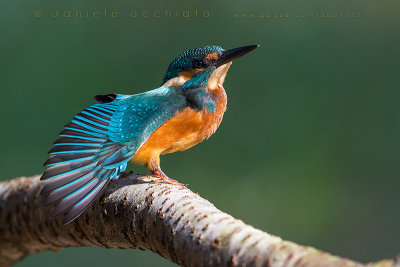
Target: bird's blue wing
[{"x": 97, "y": 144}]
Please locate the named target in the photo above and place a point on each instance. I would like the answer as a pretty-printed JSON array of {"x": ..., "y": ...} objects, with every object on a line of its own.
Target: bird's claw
[
  {"x": 169, "y": 181},
  {"x": 164, "y": 178}
]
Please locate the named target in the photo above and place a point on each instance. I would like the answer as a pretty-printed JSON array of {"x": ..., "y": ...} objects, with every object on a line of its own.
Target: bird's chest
[{"x": 186, "y": 129}]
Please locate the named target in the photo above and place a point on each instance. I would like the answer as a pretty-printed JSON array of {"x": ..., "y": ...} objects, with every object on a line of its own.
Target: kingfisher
[{"x": 97, "y": 144}]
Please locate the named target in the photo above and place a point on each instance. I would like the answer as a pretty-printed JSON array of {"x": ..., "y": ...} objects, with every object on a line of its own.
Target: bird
[{"x": 95, "y": 147}]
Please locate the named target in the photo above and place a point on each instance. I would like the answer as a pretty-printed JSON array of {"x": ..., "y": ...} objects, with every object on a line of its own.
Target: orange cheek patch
[
  {"x": 212, "y": 56},
  {"x": 188, "y": 74}
]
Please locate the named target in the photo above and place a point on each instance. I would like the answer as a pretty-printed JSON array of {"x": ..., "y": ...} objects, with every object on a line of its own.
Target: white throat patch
[{"x": 217, "y": 78}]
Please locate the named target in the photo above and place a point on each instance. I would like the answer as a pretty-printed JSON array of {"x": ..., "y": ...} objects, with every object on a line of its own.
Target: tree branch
[{"x": 169, "y": 220}]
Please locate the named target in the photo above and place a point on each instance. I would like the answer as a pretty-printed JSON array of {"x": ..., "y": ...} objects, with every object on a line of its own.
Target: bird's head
[{"x": 208, "y": 63}]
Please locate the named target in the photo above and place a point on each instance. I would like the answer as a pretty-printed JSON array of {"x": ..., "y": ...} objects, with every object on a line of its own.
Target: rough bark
[{"x": 171, "y": 221}]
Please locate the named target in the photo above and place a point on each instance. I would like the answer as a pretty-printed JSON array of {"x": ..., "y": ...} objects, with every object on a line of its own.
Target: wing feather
[{"x": 97, "y": 144}]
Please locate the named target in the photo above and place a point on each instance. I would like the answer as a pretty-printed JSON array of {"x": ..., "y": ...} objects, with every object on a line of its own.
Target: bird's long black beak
[{"x": 232, "y": 54}]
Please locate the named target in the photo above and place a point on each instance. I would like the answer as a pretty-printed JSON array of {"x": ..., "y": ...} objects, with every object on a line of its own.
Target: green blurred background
[{"x": 308, "y": 149}]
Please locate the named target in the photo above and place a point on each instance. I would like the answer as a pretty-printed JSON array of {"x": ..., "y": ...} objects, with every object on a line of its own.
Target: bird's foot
[{"x": 164, "y": 178}]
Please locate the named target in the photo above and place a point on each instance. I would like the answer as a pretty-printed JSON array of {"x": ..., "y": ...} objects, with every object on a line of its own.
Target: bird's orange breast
[{"x": 184, "y": 130}]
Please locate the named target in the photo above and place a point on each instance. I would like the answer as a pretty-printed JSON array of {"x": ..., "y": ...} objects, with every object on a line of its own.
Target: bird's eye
[{"x": 198, "y": 63}]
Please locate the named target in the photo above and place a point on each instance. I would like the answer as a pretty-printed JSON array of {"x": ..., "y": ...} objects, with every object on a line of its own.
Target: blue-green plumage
[
  {"x": 99, "y": 141},
  {"x": 191, "y": 59}
]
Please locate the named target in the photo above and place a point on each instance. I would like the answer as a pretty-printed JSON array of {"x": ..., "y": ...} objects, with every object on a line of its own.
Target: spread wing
[{"x": 97, "y": 145}]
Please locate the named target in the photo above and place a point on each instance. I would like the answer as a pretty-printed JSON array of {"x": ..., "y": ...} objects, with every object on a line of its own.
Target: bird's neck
[
  {"x": 217, "y": 78},
  {"x": 213, "y": 119},
  {"x": 220, "y": 99},
  {"x": 176, "y": 82}
]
